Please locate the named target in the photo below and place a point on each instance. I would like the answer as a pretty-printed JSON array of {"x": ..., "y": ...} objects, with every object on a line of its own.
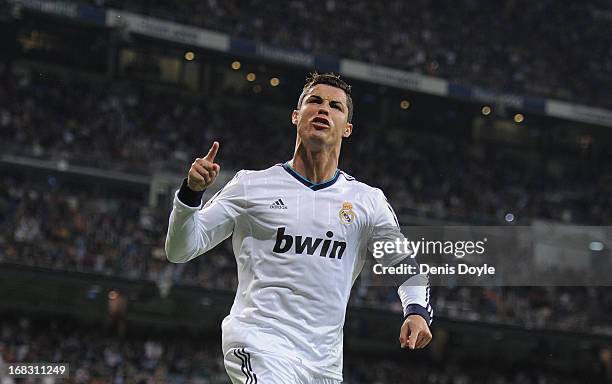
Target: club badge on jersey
[{"x": 346, "y": 214}]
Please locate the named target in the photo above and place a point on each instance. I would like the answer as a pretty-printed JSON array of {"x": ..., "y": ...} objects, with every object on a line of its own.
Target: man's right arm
[{"x": 193, "y": 229}]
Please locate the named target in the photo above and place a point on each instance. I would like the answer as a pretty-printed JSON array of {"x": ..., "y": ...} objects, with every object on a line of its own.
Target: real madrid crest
[{"x": 346, "y": 214}]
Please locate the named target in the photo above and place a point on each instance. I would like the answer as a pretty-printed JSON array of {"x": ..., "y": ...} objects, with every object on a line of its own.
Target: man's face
[{"x": 322, "y": 118}]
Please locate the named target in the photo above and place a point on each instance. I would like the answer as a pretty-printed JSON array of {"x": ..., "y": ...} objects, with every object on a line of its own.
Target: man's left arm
[{"x": 413, "y": 289}]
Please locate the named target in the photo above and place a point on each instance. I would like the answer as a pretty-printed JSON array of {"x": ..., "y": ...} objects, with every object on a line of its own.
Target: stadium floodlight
[
  {"x": 596, "y": 246},
  {"x": 519, "y": 118}
]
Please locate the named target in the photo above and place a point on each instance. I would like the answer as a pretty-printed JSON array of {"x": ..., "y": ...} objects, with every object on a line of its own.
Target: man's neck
[{"x": 315, "y": 166}]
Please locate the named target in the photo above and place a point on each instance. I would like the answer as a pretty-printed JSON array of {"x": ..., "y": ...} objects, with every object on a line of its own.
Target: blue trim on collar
[{"x": 309, "y": 183}]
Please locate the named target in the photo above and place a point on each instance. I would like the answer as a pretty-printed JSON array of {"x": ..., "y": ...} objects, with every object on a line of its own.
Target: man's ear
[
  {"x": 347, "y": 130},
  {"x": 294, "y": 116}
]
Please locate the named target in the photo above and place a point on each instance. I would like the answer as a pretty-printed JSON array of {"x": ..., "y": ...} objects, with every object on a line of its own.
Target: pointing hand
[{"x": 204, "y": 170}]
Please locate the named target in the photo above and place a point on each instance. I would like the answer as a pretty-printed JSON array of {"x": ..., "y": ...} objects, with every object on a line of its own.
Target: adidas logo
[{"x": 278, "y": 204}]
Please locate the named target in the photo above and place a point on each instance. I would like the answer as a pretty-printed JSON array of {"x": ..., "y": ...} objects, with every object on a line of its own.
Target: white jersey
[{"x": 299, "y": 247}]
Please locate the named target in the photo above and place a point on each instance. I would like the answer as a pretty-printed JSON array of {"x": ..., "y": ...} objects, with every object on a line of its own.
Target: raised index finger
[{"x": 212, "y": 152}]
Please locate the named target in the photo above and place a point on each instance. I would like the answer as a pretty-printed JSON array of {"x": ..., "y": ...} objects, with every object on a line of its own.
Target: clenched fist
[
  {"x": 204, "y": 170},
  {"x": 415, "y": 333}
]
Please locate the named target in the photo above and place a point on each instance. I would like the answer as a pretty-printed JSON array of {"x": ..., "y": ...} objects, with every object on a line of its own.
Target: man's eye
[{"x": 337, "y": 107}]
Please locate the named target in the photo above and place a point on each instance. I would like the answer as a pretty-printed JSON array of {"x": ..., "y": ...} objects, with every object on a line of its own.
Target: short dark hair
[{"x": 332, "y": 79}]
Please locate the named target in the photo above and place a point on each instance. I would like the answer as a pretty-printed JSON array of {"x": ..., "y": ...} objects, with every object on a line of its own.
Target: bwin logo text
[{"x": 309, "y": 245}]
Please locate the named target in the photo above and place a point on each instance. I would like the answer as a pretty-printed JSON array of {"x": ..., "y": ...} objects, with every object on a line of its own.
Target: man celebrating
[{"x": 301, "y": 233}]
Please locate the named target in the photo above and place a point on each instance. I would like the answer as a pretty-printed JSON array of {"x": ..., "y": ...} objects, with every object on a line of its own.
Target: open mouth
[{"x": 320, "y": 123}]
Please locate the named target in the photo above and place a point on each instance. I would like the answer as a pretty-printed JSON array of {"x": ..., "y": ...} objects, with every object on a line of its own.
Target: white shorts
[{"x": 247, "y": 366}]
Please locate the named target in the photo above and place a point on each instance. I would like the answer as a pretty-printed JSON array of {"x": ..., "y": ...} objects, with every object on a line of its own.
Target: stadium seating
[
  {"x": 147, "y": 355},
  {"x": 497, "y": 49}
]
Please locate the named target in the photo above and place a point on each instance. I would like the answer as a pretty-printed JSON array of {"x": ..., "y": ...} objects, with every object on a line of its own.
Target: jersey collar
[{"x": 312, "y": 185}]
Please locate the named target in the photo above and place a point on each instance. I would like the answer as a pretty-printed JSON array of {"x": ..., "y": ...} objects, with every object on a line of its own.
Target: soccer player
[{"x": 301, "y": 233}]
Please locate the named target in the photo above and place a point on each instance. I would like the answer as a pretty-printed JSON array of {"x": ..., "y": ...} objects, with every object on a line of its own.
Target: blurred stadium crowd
[
  {"x": 151, "y": 357},
  {"x": 137, "y": 129},
  {"x": 45, "y": 223},
  {"x": 514, "y": 47},
  {"x": 91, "y": 231}
]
